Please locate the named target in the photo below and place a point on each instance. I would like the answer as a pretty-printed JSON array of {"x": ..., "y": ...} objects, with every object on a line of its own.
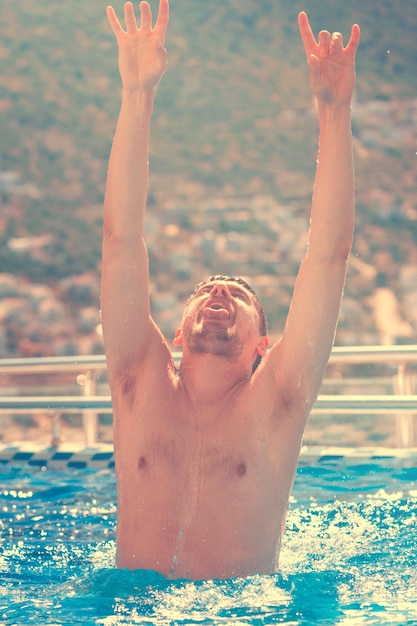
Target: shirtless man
[{"x": 206, "y": 456}]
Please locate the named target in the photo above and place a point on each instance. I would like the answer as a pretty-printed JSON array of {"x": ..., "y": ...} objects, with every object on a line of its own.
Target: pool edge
[{"x": 101, "y": 456}]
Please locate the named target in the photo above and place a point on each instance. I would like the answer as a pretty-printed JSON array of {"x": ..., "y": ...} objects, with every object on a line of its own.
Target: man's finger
[
  {"x": 130, "y": 19},
  {"x": 162, "y": 20},
  {"x": 353, "y": 42},
  {"x": 114, "y": 21},
  {"x": 306, "y": 33},
  {"x": 336, "y": 43},
  {"x": 324, "y": 43},
  {"x": 145, "y": 16}
]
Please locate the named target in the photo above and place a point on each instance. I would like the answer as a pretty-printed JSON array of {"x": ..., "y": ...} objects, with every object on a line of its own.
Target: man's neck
[{"x": 210, "y": 379}]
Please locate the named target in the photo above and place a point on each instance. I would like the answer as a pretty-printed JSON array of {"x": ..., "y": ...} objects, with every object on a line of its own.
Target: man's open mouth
[{"x": 216, "y": 310}]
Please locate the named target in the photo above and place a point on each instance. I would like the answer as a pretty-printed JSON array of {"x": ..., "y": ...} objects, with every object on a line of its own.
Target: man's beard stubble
[{"x": 215, "y": 340}]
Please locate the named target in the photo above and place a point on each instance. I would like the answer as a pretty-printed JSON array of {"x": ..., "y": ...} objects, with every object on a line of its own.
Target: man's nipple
[
  {"x": 142, "y": 464},
  {"x": 241, "y": 469}
]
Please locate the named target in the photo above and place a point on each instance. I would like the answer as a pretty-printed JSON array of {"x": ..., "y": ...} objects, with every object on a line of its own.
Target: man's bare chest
[
  {"x": 188, "y": 456},
  {"x": 165, "y": 441}
]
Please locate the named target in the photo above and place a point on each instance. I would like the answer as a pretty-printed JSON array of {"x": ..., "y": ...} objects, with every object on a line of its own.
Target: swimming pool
[{"x": 349, "y": 555}]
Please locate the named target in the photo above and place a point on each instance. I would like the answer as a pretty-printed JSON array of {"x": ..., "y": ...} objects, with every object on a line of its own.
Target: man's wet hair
[{"x": 263, "y": 323}]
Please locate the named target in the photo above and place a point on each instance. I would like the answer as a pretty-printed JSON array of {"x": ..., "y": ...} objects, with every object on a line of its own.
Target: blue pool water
[{"x": 349, "y": 554}]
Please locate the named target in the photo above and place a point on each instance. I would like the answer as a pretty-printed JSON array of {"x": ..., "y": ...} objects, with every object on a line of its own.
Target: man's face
[{"x": 221, "y": 319}]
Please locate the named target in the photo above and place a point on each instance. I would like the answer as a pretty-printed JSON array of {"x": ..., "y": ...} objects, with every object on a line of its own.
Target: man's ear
[
  {"x": 179, "y": 335},
  {"x": 262, "y": 346}
]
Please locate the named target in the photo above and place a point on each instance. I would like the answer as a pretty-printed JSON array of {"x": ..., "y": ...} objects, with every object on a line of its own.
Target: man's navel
[{"x": 241, "y": 470}]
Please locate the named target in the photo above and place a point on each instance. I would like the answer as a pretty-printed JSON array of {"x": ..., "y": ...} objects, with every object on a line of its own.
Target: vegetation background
[{"x": 233, "y": 115}]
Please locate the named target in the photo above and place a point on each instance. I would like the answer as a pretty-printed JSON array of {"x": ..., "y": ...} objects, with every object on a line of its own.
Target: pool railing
[{"x": 94, "y": 398}]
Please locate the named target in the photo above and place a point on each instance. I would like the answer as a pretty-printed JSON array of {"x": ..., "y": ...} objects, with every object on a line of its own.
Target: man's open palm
[{"x": 142, "y": 56}]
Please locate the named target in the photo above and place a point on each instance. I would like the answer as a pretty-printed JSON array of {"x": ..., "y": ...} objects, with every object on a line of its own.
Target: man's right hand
[
  {"x": 142, "y": 56},
  {"x": 331, "y": 66}
]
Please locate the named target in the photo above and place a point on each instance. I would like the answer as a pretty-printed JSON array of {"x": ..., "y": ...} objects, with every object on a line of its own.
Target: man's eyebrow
[
  {"x": 205, "y": 286},
  {"x": 239, "y": 287},
  {"x": 233, "y": 286},
  {"x": 236, "y": 287}
]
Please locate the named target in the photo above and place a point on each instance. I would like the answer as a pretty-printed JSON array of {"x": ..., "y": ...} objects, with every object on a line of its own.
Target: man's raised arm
[
  {"x": 127, "y": 325},
  {"x": 301, "y": 356}
]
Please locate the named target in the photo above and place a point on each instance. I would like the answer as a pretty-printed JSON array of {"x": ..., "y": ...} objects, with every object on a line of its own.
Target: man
[{"x": 206, "y": 456}]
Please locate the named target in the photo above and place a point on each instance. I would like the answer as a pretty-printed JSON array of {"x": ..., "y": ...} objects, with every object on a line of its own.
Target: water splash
[{"x": 348, "y": 556}]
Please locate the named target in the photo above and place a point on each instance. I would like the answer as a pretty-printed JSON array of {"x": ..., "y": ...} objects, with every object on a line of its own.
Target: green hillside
[{"x": 233, "y": 114}]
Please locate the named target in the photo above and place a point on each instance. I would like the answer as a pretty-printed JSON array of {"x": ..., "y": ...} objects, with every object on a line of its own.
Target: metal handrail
[
  {"x": 324, "y": 404},
  {"x": 66, "y": 404},
  {"x": 340, "y": 354},
  {"x": 52, "y": 364},
  {"x": 374, "y": 354},
  {"x": 402, "y": 402}
]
